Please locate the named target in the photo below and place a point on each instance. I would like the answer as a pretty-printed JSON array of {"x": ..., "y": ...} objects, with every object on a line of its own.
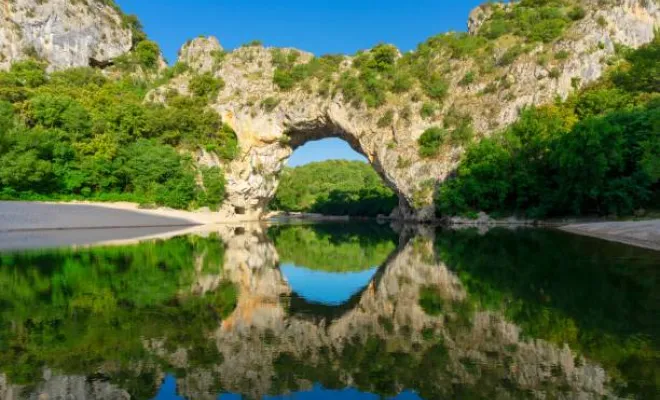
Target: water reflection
[
  {"x": 327, "y": 288},
  {"x": 253, "y": 313}
]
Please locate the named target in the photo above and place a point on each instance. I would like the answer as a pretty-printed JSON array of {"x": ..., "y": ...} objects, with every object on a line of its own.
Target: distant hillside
[{"x": 335, "y": 187}]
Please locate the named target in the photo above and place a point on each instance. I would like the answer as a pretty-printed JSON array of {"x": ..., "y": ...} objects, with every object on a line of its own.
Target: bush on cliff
[
  {"x": 79, "y": 134},
  {"x": 596, "y": 153}
]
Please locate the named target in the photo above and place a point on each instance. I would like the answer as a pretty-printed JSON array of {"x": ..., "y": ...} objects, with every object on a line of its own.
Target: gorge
[{"x": 382, "y": 102}]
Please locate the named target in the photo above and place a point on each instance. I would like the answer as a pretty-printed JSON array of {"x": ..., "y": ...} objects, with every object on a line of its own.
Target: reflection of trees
[
  {"x": 334, "y": 247},
  {"x": 492, "y": 325},
  {"x": 77, "y": 310},
  {"x": 600, "y": 298}
]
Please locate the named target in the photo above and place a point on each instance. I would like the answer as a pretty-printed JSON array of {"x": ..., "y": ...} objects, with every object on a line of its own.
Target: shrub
[
  {"x": 436, "y": 87},
  {"x": 428, "y": 110},
  {"x": 270, "y": 103},
  {"x": 206, "y": 85},
  {"x": 577, "y": 13},
  {"x": 402, "y": 82},
  {"x": 462, "y": 134},
  {"x": 430, "y": 141},
  {"x": 147, "y": 54},
  {"x": 283, "y": 79},
  {"x": 554, "y": 73},
  {"x": 467, "y": 79},
  {"x": 386, "y": 120},
  {"x": 214, "y": 186},
  {"x": 510, "y": 55}
]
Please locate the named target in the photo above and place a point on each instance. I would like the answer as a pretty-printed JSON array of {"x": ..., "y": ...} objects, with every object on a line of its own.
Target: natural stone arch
[
  {"x": 271, "y": 121},
  {"x": 267, "y": 141}
]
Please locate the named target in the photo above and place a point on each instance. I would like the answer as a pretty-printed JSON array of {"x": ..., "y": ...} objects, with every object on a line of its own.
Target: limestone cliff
[
  {"x": 64, "y": 33},
  {"x": 509, "y": 75}
]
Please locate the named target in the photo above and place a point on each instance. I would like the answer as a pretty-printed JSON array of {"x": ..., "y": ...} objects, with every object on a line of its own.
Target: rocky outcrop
[
  {"x": 202, "y": 54},
  {"x": 269, "y": 134},
  {"x": 62, "y": 32}
]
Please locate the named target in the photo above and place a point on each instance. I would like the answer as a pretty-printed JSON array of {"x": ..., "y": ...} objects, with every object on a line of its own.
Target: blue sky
[{"x": 321, "y": 27}]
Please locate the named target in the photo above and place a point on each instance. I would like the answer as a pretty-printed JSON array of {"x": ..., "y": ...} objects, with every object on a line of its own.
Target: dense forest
[
  {"x": 598, "y": 152},
  {"x": 87, "y": 134},
  {"x": 334, "y": 187}
]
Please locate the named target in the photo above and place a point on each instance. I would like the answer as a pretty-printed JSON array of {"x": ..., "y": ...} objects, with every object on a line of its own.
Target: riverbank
[
  {"x": 22, "y": 215},
  {"x": 636, "y": 233},
  {"x": 108, "y": 222}
]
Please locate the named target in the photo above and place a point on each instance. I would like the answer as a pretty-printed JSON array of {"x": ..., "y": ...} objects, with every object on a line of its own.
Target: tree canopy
[
  {"x": 81, "y": 134},
  {"x": 595, "y": 153},
  {"x": 334, "y": 187}
]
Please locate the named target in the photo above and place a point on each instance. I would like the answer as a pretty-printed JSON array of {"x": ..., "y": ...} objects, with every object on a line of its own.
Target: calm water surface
[{"x": 333, "y": 311}]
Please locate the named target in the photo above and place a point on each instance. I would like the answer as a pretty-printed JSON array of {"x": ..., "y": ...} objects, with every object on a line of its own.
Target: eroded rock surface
[
  {"x": 268, "y": 135},
  {"x": 64, "y": 33}
]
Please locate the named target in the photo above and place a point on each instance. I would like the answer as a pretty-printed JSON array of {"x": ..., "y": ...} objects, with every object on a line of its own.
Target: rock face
[
  {"x": 268, "y": 135},
  {"x": 64, "y": 33},
  {"x": 201, "y": 53}
]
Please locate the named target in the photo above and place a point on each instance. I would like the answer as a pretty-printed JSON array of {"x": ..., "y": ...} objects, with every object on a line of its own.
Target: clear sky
[{"x": 321, "y": 27}]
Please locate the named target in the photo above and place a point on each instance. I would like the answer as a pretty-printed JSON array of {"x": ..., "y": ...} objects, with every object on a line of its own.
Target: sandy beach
[
  {"x": 636, "y": 233},
  {"x": 25, "y": 225}
]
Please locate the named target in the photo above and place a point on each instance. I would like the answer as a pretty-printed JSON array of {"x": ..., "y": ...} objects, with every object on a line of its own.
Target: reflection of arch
[{"x": 300, "y": 308}]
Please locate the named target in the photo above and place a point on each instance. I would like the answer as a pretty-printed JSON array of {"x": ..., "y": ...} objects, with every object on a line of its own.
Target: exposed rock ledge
[
  {"x": 268, "y": 138},
  {"x": 64, "y": 33}
]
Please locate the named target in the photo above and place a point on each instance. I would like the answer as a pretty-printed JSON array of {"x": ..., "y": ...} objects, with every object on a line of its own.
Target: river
[{"x": 332, "y": 311}]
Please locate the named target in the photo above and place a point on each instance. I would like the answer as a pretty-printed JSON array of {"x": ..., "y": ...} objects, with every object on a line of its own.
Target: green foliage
[
  {"x": 214, "y": 186},
  {"x": 468, "y": 78},
  {"x": 328, "y": 247},
  {"x": 147, "y": 54},
  {"x": 430, "y": 300},
  {"x": 581, "y": 297},
  {"x": 510, "y": 55},
  {"x": 596, "y": 153},
  {"x": 642, "y": 72},
  {"x": 435, "y": 87},
  {"x": 270, "y": 103},
  {"x": 347, "y": 188},
  {"x": 386, "y": 120},
  {"x": 431, "y": 140},
  {"x": 535, "y": 21},
  {"x": 428, "y": 110},
  {"x": 155, "y": 171},
  {"x": 206, "y": 85},
  {"x": 80, "y": 134},
  {"x": 76, "y": 310},
  {"x": 577, "y": 13}
]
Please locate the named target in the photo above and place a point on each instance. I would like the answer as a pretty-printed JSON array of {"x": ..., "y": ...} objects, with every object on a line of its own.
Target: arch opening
[{"x": 328, "y": 172}]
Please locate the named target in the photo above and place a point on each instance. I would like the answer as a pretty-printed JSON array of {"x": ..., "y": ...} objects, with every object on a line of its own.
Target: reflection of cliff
[
  {"x": 387, "y": 342},
  {"x": 414, "y": 326}
]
